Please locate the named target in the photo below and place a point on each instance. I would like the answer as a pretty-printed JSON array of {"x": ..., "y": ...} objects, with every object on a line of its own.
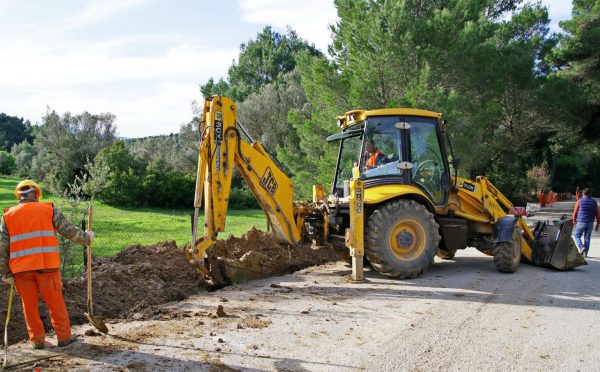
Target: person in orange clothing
[
  {"x": 542, "y": 199},
  {"x": 550, "y": 198},
  {"x": 578, "y": 193},
  {"x": 374, "y": 156},
  {"x": 29, "y": 260}
]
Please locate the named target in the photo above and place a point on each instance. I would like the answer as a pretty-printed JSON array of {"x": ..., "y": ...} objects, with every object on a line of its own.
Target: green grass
[{"x": 116, "y": 228}]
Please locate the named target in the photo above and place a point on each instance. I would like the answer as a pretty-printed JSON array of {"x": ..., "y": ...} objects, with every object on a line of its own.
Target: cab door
[{"x": 429, "y": 171}]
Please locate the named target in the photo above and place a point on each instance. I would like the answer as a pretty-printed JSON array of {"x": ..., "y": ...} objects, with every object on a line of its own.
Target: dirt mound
[
  {"x": 258, "y": 255},
  {"x": 136, "y": 278},
  {"x": 133, "y": 283}
]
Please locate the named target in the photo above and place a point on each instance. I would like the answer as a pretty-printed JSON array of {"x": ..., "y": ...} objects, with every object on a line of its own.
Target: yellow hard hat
[{"x": 28, "y": 184}]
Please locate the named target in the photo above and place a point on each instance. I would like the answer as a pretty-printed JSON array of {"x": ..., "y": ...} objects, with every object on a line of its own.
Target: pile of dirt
[
  {"x": 136, "y": 278},
  {"x": 258, "y": 255},
  {"x": 133, "y": 283}
]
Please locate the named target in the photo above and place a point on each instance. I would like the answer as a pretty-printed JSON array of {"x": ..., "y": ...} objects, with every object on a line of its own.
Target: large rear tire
[
  {"x": 401, "y": 239},
  {"x": 507, "y": 255}
]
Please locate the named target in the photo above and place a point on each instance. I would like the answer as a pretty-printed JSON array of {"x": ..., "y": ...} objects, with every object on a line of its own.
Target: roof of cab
[{"x": 355, "y": 116}]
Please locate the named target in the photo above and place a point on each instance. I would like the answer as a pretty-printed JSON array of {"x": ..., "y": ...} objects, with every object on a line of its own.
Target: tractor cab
[{"x": 393, "y": 147}]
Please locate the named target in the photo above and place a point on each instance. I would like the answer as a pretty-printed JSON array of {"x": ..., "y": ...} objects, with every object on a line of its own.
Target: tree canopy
[
  {"x": 577, "y": 58},
  {"x": 13, "y": 130},
  {"x": 261, "y": 61}
]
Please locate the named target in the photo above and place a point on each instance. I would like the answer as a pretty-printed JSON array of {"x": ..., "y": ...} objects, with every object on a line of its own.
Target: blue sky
[{"x": 142, "y": 60}]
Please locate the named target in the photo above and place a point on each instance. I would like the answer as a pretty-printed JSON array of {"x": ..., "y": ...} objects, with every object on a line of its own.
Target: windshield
[{"x": 382, "y": 149}]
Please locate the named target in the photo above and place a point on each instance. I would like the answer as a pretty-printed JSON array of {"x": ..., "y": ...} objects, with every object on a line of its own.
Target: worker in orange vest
[
  {"x": 29, "y": 259},
  {"x": 542, "y": 199},
  {"x": 550, "y": 198},
  {"x": 374, "y": 156},
  {"x": 578, "y": 193}
]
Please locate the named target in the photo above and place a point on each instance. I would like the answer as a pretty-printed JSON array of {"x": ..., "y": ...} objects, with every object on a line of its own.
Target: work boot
[
  {"x": 68, "y": 341},
  {"x": 38, "y": 345}
]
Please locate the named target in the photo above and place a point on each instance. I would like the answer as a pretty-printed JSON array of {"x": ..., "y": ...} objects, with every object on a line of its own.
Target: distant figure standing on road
[
  {"x": 542, "y": 199},
  {"x": 586, "y": 210},
  {"x": 550, "y": 198},
  {"x": 577, "y": 193}
]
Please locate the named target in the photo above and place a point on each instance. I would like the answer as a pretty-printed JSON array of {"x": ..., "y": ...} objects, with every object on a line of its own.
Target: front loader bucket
[{"x": 554, "y": 247}]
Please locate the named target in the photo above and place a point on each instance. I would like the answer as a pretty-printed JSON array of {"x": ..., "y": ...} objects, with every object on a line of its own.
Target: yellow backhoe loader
[{"x": 393, "y": 199}]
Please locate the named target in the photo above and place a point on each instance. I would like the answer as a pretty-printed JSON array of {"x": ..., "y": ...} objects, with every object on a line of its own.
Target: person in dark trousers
[{"x": 586, "y": 210}]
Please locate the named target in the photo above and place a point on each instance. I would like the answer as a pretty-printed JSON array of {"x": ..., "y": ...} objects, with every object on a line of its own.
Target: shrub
[
  {"x": 7, "y": 162},
  {"x": 242, "y": 198}
]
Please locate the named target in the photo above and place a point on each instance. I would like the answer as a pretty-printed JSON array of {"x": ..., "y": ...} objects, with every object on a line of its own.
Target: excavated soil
[
  {"x": 133, "y": 283},
  {"x": 258, "y": 255}
]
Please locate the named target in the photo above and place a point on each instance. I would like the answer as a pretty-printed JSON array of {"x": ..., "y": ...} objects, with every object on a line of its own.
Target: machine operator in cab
[{"x": 374, "y": 156}]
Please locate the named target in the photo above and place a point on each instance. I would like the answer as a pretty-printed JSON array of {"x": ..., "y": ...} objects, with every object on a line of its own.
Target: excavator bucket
[{"x": 554, "y": 247}]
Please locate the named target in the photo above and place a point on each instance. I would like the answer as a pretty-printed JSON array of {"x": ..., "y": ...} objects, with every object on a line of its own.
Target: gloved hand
[
  {"x": 8, "y": 279},
  {"x": 90, "y": 234}
]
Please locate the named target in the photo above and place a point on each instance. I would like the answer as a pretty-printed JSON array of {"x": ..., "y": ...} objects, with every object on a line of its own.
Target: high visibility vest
[
  {"x": 33, "y": 241},
  {"x": 372, "y": 162}
]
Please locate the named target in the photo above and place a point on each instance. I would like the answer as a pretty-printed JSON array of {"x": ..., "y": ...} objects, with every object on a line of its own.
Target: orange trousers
[{"x": 29, "y": 285}]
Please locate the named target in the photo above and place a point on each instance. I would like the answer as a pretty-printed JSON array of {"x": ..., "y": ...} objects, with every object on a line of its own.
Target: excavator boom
[{"x": 221, "y": 148}]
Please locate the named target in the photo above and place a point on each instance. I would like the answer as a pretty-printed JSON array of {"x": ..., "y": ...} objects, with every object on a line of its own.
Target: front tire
[
  {"x": 507, "y": 255},
  {"x": 401, "y": 239}
]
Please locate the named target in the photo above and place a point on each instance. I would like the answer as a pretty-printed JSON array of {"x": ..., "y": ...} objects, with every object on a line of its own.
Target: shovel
[
  {"x": 10, "y": 299},
  {"x": 96, "y": 322}
]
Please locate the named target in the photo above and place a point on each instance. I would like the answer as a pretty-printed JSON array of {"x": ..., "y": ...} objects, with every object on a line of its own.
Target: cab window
[
  {"x": 382, "y": 147},
  {"x": 426, "y": 157}
]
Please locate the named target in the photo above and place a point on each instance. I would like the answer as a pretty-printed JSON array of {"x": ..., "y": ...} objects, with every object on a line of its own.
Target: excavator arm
[{"x": 221, "y": 148}]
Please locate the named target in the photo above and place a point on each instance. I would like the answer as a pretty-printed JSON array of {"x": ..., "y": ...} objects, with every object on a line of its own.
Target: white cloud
[
  {"x": 30, "y": 65},
  {"x": 309, "y": 18},
  {"x": 98, "y": 10},
  {"x": 150, "y": 93},
  {"x": 558, "y": 10}
]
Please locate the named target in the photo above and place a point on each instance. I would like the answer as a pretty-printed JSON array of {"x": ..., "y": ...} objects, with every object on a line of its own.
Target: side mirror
[{"x": 456, "y": 162}]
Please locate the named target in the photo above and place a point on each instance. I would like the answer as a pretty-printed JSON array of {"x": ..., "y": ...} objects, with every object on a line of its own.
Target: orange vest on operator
[
  {"x": 372, "y": 162},
  {"x": 33, "y": 241}
]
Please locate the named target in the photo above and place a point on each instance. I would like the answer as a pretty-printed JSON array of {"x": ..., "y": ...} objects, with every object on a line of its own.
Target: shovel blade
[
  {"x": 98, "y": 323},
  {"x": 554, "y": 247}
]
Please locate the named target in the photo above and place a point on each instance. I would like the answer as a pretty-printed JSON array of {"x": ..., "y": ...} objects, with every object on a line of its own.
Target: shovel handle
[
  {"x": 8, "y": 310},
  {"x": 89, "y": 266},
  {"x": 89, "y": 226}
]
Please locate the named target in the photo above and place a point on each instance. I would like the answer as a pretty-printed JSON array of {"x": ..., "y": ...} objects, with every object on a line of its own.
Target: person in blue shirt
[{"x": 585, "y": 212}]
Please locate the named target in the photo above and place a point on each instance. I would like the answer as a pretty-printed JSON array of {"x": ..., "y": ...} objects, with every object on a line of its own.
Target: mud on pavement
[{"x": 131, "y": 284}]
